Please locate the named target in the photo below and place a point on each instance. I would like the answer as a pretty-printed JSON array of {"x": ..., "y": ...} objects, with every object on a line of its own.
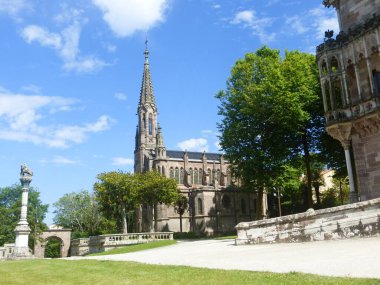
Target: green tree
[
  {"x": 260, "y": 114},
  {"x": 10, "y": 210},
  {"x": 181, "y": 205},
  {"x": 272, "y": 113},
  {"x": 80, "y": 212},
  {"x": 118, "y": 194},
  {"x": 157, "y": 189}
]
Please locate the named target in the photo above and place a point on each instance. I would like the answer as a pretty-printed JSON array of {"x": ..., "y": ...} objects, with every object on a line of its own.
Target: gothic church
[{"x": 204, "y": 178}]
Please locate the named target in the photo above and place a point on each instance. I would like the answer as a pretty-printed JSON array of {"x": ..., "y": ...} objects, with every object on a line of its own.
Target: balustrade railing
[{"x": 101, "y": 243}]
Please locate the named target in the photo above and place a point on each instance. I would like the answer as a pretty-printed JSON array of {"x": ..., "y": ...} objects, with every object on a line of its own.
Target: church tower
[{"x": 146, "y": 133}]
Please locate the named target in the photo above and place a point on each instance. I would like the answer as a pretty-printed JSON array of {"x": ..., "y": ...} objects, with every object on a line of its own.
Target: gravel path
[{"x": 353, "y": 257}]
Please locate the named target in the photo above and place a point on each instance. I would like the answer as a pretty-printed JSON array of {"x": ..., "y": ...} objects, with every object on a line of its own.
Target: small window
[
  {"x": 150, "y": 124},
  {"x": 171, "y": 172},
  {"x": 200, "y": 206},
  {"x": 177, "y": 174},
  {"x": 181, "y": 176}
]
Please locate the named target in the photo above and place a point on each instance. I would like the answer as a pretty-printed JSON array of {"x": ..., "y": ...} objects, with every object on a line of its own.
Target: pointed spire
[{"x": 146, "y": 93}]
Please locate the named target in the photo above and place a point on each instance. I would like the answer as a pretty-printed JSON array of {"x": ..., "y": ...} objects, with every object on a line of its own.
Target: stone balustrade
[
  {"x": 6, "y": 250},
  {"x": 354, "y": 220},
  {"x": 93, "y": 244}
]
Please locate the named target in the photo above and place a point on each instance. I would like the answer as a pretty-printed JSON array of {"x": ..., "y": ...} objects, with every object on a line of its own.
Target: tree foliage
[
  {"x": 10, "y": 210},
  {"x": 81, "y": 213},
  {"x": 120, "y": 193},
  {"x": 271, "y": 113}
]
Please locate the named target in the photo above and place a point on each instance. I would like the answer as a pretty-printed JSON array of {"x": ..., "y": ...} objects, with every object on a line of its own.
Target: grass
[
  {"x": 135, "y": 247},
  {"x": 112, "y": 272}
]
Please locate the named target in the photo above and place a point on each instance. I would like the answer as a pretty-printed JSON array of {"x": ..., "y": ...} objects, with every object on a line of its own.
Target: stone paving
[{"x": 353, "y": 257}]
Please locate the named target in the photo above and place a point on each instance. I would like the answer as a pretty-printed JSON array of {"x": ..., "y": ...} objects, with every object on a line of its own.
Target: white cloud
[
  {"x": 216, "y": 6},
  {"x": 22, "y": 118},
  {"x": 194, "y": 145},
  {"x": 65, "y": 43},
  {"x": 120, "y": 96},
  {"x": 122, "y": 161},
  {"x": 125, "y": 17},
  {"x": 249, "y": 19},
  {"x": 315, "y": 22},
  {"x": 324, "y": 20},
  {"x": 13, "y": 7},
  {"x": 35, "y": 33},
  {"x": 63, "y": 160},
  {"x": 297, "y": 25}
]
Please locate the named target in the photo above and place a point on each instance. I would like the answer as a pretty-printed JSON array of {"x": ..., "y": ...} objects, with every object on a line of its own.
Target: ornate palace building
[
  {"x": 204, "y": 178},
  {"x": 349, "y": 69}
]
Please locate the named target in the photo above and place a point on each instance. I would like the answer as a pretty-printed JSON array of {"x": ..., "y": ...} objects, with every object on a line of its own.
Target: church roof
[
  {"x": 192, "y": 155},
  {"x": 146, "y": 93}
]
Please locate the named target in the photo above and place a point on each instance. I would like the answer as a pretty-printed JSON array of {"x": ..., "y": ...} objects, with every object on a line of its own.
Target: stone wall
[
  {"x": 354, "y": 220},
  {"x": 350, "y": 12}
]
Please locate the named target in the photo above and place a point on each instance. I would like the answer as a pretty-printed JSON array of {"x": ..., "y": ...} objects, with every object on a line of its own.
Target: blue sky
[{"x": 70, "y": 76}]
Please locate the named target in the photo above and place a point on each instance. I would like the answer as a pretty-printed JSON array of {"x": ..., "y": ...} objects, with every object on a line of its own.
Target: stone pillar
[
  {"x": 22, "y": 229},
  {"x": 353, "y": 196}
]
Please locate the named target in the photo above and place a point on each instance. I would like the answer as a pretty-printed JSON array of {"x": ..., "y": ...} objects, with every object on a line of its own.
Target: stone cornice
[{"x": 345, "y": 37}]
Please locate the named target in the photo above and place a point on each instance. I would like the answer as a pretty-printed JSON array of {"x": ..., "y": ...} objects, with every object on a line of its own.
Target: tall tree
[
  {"x": 157, "y": 189},
  {"x": 80, "y": 212},
  {"x": 118, "y": 194},
  {"x": 181, "y": 206},
  {"x": 259, "y": 116},
  {"x": 272, "y": 111},
  {"x": 10, "y": 208}
]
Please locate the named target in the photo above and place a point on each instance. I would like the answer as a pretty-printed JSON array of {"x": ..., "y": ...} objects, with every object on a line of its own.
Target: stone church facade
[
  {"x": 349, "y": 69},
  {"x": 215, "y": 206}
]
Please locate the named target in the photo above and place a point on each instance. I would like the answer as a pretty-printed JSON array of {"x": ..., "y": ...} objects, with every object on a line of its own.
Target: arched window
[
  {"x": 163, "y": 171},
  {"x": 352, "y": 84},
  {"x": 200, "y": 206},
  {"x": 171, "y": 172},
  {"x": 177, "y": 174},
  {"x": 337, "y": 90},
  {"x": 181, "y": 176},
  {"x": 150, "y": 124},
  {"x": 324, "y": 68},
  {"x": 375, "y": 65},
  {"x": 243, "y": 206},
  {"x": 218, "y": 175},
  {"x": 144, "y": 122},
  {"x": 327, "y": 94},
  {"x": 191, "y": 182},
  {"x": 334, "y": 64},
  {"x": 365, "y": 86},
  {"x": 200, "y": 176}
]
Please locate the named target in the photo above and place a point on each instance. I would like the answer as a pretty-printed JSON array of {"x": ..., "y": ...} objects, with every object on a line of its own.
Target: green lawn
[
  {"x": 136, "y": 247},
  {"x": 112, "y": 272}
]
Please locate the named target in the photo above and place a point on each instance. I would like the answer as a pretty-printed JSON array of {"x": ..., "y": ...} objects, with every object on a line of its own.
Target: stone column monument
[{"x": 22, "y": 229}]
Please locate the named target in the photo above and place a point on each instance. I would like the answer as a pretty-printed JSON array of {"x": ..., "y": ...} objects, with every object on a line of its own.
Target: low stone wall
[
  {"x": 6, "y": 250},
  {"x": 353, "y": 220},
  {"x": 83, "y": 246}
]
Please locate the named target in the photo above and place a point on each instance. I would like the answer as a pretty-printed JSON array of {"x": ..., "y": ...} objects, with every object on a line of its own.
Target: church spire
[{"x": 146, "y": 93}]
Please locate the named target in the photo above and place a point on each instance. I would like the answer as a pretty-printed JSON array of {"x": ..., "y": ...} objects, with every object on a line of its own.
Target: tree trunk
[
  {"x": 309, "y": 195},
  {"x": 124, "y": 220},
  {"x": 180, "y": 223},
  {"x": 259, "y": 204},
  {"x": 318, "y": 194}
]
